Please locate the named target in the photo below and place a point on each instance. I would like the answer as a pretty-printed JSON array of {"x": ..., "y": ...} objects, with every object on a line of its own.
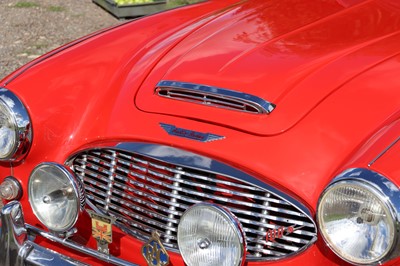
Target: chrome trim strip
[
  {"x": 13, "y": 235},
  {"x": 75, "y": 246},
  {"x": 42, "y": 256},
  {"x": 16, "y": 249},
  {"x": 383, "y": 152},
  {"x": 389, "y": 193},
  {"x": 23, "y": 123},
  {"x": 223, "y": 98}
]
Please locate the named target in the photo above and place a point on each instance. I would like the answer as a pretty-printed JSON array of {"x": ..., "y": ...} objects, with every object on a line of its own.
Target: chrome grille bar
[{"x": 146, "y": 192}]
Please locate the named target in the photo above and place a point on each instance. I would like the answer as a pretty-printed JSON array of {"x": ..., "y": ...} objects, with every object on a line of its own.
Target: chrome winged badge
[{"x": 190, "y": 134}]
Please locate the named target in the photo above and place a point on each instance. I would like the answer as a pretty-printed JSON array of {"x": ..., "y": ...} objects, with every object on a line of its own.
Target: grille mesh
[{"x": 146, "y": 194}]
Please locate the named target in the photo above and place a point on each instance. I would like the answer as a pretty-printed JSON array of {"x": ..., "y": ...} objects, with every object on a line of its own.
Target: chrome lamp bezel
[
  {"x": 22, "y": 123},
  {"x": 385, "y": 190},
  {"x": 230, "y": 218},
  {"x": 78, "y": 193}
]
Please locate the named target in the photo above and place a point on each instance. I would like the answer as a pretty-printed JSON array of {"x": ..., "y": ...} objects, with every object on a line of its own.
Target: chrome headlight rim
[
  {"x": 231, "y": 218},
  {"x": 77, "y": 190},
  {"x": 384, "y": 190},
  {"x": 22, "y": 123}
]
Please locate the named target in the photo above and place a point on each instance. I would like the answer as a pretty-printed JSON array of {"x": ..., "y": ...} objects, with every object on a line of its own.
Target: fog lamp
[
  {"x": 56, "y": 196},
  {"x": 356, "y": 218},
  {"x": 209, "y": 234}
]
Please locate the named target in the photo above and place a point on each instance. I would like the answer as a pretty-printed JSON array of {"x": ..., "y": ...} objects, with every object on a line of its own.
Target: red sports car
[{"x": 227, "y": 132}]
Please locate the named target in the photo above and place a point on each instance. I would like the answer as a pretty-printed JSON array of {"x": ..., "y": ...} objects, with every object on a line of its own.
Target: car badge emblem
[
  {"x": 280, "y": 232},
  {"x": 190, "y": 134},
  {"x": 102, "y": 231},
  {"x": 154, "y": 252}
]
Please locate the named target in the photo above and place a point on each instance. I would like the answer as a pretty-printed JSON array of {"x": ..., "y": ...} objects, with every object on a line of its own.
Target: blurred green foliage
[
  {"x": 176, "y": 3},
  {"x": 23, "y": 4}
]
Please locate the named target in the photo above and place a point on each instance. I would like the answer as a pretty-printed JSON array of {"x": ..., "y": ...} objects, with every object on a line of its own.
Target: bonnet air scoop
[
  {"x": 213, "y": 97},
  {"x": 261, "y": 59}
]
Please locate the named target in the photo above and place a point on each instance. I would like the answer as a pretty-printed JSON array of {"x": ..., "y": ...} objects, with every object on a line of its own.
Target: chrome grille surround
[
  {"x": 213, "y": 96},
  {"x": 148, "y": 187}
]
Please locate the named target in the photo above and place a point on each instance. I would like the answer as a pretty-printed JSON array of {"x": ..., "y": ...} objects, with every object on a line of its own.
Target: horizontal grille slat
[
  {"x": 260, "y": 215},
  {"x": 146, "y": 194},
  {"x": 137, "y": 225},
  {"x": 214, "y": 188},
  {"x": 292, "y": 240},
  {"x": 141, "y": 218},
  {"x": 267, "y": 252},
  {"x": 292, "y": 222},
  {"x": 166, "y": 193},
  {"x": 196, "y": 183},
  {"x": 152, "y": 197},
  {"x": 204, "y": 178},
  {"x": 274, "y": 244},
  {"x": 93, "y": 198},
  {"x": 261, "y": 234},
  {"x": 143, "y": 210},
  {"x": 199, "y": 194}
]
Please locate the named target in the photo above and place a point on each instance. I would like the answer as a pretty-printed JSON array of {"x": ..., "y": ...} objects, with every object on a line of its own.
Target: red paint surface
[{"x": 331, "y": 67}]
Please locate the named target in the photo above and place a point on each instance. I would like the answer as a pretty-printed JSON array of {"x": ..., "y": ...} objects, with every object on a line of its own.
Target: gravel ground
[{"x": 31, "y": 28}]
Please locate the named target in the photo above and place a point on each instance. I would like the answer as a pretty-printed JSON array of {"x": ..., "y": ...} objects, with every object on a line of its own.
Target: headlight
[
  {"x": 15, "y": 127},
  {"x": 56, "y": 196},
  {"x": 210, "y": 235},
  {"x": 357, "y": 216}
]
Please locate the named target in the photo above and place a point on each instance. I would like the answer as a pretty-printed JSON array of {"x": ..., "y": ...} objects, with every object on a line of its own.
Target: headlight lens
[
  {"x": 55, "y": 196},
  {"x": 356, "y": 220},
  {"x": 8, "y": 129},
  {"x": 15, "y": 127},
  {"x": 210, "y": 235}
]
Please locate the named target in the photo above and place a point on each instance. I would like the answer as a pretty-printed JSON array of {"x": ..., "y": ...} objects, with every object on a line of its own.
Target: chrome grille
[{"x": 145, "y": 194}]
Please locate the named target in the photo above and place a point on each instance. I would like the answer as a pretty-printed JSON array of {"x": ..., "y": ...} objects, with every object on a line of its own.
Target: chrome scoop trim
[{"x": 213, "y": 96}]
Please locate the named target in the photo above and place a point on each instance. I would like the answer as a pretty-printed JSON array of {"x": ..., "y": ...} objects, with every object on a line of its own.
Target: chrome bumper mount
[{"x": 17, "y": 250}]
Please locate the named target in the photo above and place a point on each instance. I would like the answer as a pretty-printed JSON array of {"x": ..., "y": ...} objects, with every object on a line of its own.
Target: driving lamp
[
  {"x": 15, "y": 127},
  {"x": 357, "y": 217},
  {"x": 56, "y": 196},
  {"x": 209, "y": 234}
]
